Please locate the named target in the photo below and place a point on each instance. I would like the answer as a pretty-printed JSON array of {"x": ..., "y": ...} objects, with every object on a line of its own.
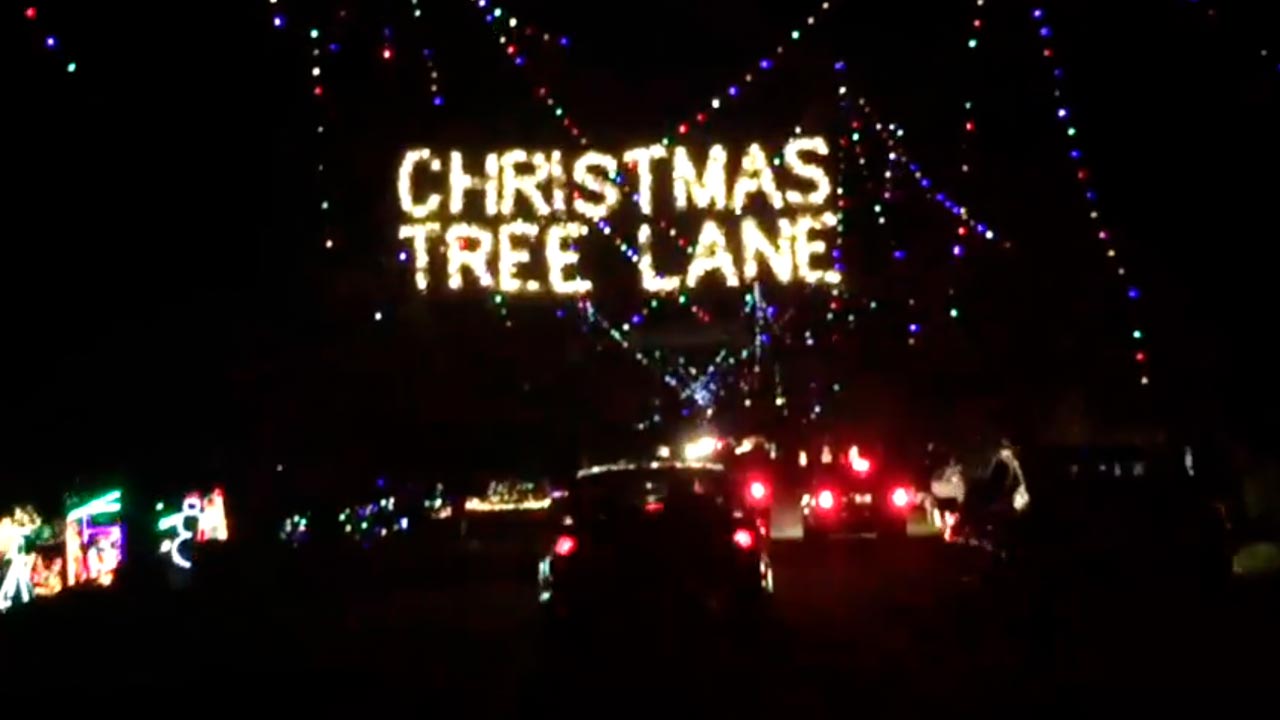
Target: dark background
[{"x": 167, "y": 307}]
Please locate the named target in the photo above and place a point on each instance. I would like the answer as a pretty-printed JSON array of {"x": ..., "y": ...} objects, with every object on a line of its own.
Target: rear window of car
[{"x": 643, "y": 488}]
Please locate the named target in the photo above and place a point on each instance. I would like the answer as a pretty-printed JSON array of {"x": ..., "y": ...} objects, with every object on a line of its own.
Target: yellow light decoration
[
  {"x": 475, "y": 258},
  {"x": 526, "y": 183},
  {"x": 707, "y": 191},
  {"x": 594, "y": 182},
  {"x": 557, "y": 182},
  {"x": 652, "y": 281},
  {"x": 711, "y": 253},
  {"x": 475, "y": 504},
  {"x": 560, "y": 259},
  {"x": 510, "y": 258},
  {"x": 777, "y": 255},
  {"x": 643, "y": 159},
  {"x": 755, "y": 177},
  {"x": 419, "y": 232},
  {"x": 405, "y": 185},
  {"x": 460, "y": 182},
  {"x": 806, "y": 249},
  {"x": 812, "y": 172}
]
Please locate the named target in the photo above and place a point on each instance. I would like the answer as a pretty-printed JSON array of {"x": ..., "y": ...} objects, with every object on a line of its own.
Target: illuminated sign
[{"x": 560, "y": 196}]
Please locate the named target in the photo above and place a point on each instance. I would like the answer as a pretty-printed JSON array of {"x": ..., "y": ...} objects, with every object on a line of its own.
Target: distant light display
[
  {"x": 94, "y": 537},
  {"x": 16, "y": 557},
  {"x": 200, "y": 519}
]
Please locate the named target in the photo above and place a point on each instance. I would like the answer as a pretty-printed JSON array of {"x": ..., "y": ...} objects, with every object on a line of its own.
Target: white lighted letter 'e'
[
  {"x": 813, "y": 172},
  {"x": 405, "y": 184},
  {"x": 560, "y": 259},
  {"x": 711, "y": 253},
  {"x": 806, "y": 249},
  {"x": 475, "y": 258},
  {"x": 510, "y": 257},
  {"x": 461, "y": 182}
]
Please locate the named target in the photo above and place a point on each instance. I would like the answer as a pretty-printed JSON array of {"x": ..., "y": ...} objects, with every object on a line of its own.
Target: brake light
[
  {"x": 900, "y": 497},
  {"x": 565, "y": 546},
  {"x": 826, "y": 500},
  {"x": 744, "y": 538},
  {"x": 654, "y": 506},
  {"x": 757, "y": 490}
]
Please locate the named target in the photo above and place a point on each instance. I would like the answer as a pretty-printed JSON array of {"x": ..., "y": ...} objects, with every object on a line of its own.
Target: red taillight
[
  {"x": 826, "y": 500},
  {"x": 565, "y": 546},
  {"x": 744, "y": 538},
  {"x": 757, "y": 490},
  {"x": 900, "y": 497},
  {"x": 654, "y": 506}
]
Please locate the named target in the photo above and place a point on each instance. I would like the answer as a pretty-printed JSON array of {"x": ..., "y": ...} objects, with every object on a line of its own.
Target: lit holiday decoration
[
  {"x": 1083, "y": 174},
  {"x": 294, "y": 530},
  {"x": 17, "y": 558},
  {"x": 518, "y": 177},
  {"x": 201, "y": 519},
  {"x": 94, "y": 538}
]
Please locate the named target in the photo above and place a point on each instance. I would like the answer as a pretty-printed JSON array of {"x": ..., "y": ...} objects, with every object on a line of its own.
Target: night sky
[{"x": 168, "y": 309}]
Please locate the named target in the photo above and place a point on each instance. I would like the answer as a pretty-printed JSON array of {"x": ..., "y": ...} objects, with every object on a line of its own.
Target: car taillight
[
  {"x": 744, "y": 538},
  {"x": 757, "y": 490},
  {"x": 900, "y": 497},
  {"x": 826, "y": 500},
  {"x": 565, "y": 546}
]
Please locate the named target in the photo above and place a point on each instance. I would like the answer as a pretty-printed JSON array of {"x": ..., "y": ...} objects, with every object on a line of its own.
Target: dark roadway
[{"x": 910, "y": 623}]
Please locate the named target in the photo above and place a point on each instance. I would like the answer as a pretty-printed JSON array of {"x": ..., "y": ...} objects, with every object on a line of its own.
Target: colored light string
[
  {"x": 49, "y": 39},
  {"x": 1064, "y": 115},
  {"x": 735, "y": 90}
]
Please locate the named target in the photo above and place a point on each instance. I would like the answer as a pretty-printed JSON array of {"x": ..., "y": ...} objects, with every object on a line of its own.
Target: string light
[
  {"x": 50, "y": 41},
  {"x": 1082, "y": 173}
]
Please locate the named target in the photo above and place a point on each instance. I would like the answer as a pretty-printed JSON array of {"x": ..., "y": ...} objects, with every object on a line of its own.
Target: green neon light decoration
[{"x": 109, "y": 503}]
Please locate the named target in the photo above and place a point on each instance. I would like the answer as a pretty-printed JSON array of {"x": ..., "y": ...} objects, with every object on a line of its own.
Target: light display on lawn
[
  {"x": 200, "y": 519},
  {"x": 16, "y": 557},
  {"x": 369, "y": 522},
  {"x": 564, "y": 195},
  {"x": 94, "y": 538}
]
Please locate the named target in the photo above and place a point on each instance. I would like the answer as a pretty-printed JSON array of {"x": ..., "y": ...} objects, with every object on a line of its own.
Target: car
[
  {"x": 855, "y": 496},
  {"x": 677, "y": 535}
]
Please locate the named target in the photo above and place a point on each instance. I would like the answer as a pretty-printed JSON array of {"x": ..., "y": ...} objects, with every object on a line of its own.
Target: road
[{"x": 913, "y": 621}]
